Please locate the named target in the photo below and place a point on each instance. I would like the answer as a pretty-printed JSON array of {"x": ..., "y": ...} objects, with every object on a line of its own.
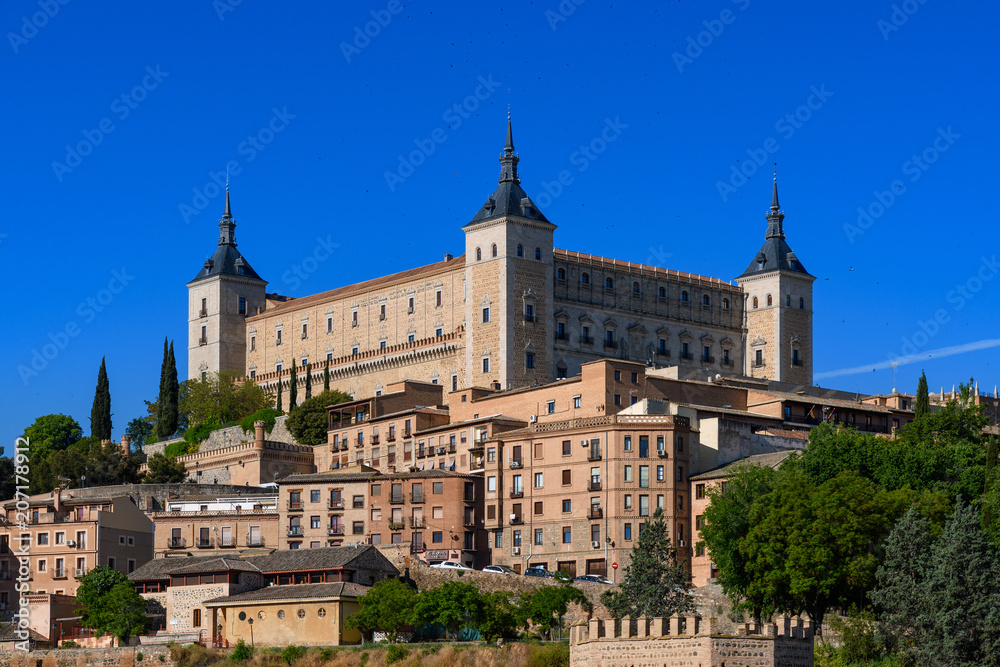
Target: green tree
[
  {"x": 107, "y": 465},
  {"x": 453, "y": 605},
  {"x": 168, "y": 401},
  {"x": 266, "y": 415},
  {"x": 293, "y": 389},
  {"x": 222, "y": 397},
  {"x": 51, "y": 433},
  {"x": 922, "y": 406},
  {"x": 309, "y": 381},
  {"x": 164, "y": 470},
  {"x": 991, "y": 492},
  {"x": 138, "y": 432},
  {"x": 100, "y": 413},
  {"x": 111, "y": 604},
  {"x": 725, "y": 529},
  {"x": 309, "y": 422},
  {"x": 499, "y": 616},
  {"x": 388, "y": 606},
  {"x": 654, "y": 583},
  {"x": 545, "y": 606},
  {"x": 7, "y": 485},
  {"x": 326, "y": 376},
  {"x": 277, "y": 403}
]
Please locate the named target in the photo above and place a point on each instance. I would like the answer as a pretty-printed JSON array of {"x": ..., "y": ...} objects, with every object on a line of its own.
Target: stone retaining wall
[
  {"x": 229, "y": 436},
  {"x": 90, "y": 657}
]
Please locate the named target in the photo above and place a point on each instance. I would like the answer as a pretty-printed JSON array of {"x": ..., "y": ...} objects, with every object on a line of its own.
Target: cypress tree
[
  {"x": 161, "y": 398},
  {"x": 309, "y": 381},
  {"x": 278, "y": 406},
  {"x": 171, "y": 391},
  {"x": 292, "y": 389},
  {"x": 100, "y": 413},
  {"x": 922, "y": 406},
  {"x": 326, "y": 376}
]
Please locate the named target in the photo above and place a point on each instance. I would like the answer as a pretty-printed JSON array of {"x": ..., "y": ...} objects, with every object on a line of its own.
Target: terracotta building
[{"x": 213, "y": 524}]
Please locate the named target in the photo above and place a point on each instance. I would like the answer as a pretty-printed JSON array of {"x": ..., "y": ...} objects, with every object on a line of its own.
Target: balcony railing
[
  {"x": 417, "y": 498},
  {"x": 516, "y": 520},
  {"x": 452, "y": 448},
  {"x": 80, "y": 571},
  {"x": 335, "y": 505},
  {"x": 707, "y": 359},
  {"x": 470, "y": 522},
  {"x": 227, "y": 542},
  {"x": 391, "y": 437},
  {"x": 396, "y": 500},
  {"x": 204, "y": 543},
  {"x": 336, "y": 530},
  {"x": 594, "y": 456},
  {"x": 418, "y": 523},
  {"x": 586, "y": 340},
  {"x": 594, "y": 485},
  {"x": 397, "y": 526},
  {"x": 295, "y": 531},
  {"x": 203, "y": 312},
  {"x": 255, "y": 542},
  {"x": 358, "y": 504},
  {"x": 176, "y": 543},
  {"x": 294, "y": 505},
  {"x": 375, "y": 439},
  {"x": 517, "y": 494},
  {"x": 610, "y": 344},
  {"x": 596, "y": 512},
  {"x": 421, "y": 453},
  {"x": 562, "y": 336},
  {"x": 687, "y": 356},
  {"x": 515, "y": 464}
]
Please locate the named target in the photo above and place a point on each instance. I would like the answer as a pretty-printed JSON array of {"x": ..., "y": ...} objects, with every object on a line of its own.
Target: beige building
[
  {"x": 211, "y": 524},
  {"x": 511, "y": 311}
]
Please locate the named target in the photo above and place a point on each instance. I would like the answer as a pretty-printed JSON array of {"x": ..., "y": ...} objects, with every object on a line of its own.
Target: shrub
[
  {"x": 396, "y": 653},
  {"x": 291, "y": 653},
  {"x": 242, "y": 651},
  {"x": 325, "y": 654},
  {"x": 139, "y": 656},
  {"x": 364, "y": 659},
  {"x": 548, "y": 655},
  {"x": 197, "y": 433},
  {"x": 69, "y": 644},
  {"x": 266, "y": 415},
  {"x": 175, "y": 449}
]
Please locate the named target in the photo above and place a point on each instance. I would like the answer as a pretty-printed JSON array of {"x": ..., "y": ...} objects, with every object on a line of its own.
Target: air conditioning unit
[
  {"x": 596, "y": 545},
  {"x": 515, "y": 465},
  {"x": 681, "y": 543},
  {"x": 80, "y": 572},
  {"x": 440, "y": 450},
  {"x": 515, "y": 550},
  {"x": 70, "y": 543},
  {"x": 533, "y": 419}
]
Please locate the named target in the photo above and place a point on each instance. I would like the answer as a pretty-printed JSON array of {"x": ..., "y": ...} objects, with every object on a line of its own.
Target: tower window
[
  {"x": 494, "y": 249},
  {"x": 409, "y": 305},
  {"x": 529, "y": 360},
  {"x": 609, "y": 283},
  {"x": 486, "y": 315},
  {"x": 796, "y": 358},
  {"x": 758, "y": 359},
  {"x": 529, "y": 312},
  {"x": 305, "y": 330},
  {"x": 684, "y": 297},
  {"x": 486, "y": 364},
  {"x": 204, "y": 308},
  {"x": 381, "y": 311},
  {"x": 661, "y": 293},
  {"x": 635, "y": 289},
  {"x": 520, "y": 250},
  {"x": 243, "y": 305},
  {"x": 329, "y": 324},
  {"x": 277, "y": 337},
  {"x": 755, "y": 302},
  {"x": 561, "y": 274},
  {"x": 204, "y": 336},
  {"x": 788, "y": 300},
  {"x": 802, "y": 303},
  {"x": 769, "y": 302},
  {"x": 706, "y": 300},
  {"x": 479, "y": 254},
  {"x": 253, "y": 343},
  {"x": 538, "y": 253},
  {"x": 725, "y": 304},
  {"x": 437, "y": 299},
  {"x": 584, "y": 278}
]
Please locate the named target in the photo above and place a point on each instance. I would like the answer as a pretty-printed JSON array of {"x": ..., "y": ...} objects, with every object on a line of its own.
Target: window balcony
[
  {"x": 336, "y": 530},
  {"x": 586, "y": 340},
  {"x": 294, "y": 505},
  {"x": 417, "y": 498},
  {"x": 397, "y": 526},
  {"x": 202, "y": 341},
  {"x": 707, "y": 359},
  {"x": 374, "y": 439},
  {"x": 594, "y": 485},
  {"x": 175, "y": 543},
  {"x": 451, "y": 448},
  {"x": 204, "y": 543},
  {"x": 59, "y": 573},
  {"x": 421, "y": 453},
  {"x": 517, "y": 494},
  {"x": 516, "y": 521},
  {"x": 687, "y": 356},
  {"x": 335, "y": 505},
  {"x": 294, "y": 531},
  {"x": 594, "y": 456},
  {"x": 227, "y": 543},
  {"x": 596, "y": 512},
  {"x": 663, "y": 353},
  {"x": 469, "y": 522},
  {"x": 757, "y": 364},
  {"x": 80, "y": 572},
  {"x": 610, "y": 345},
  {"x": 562, "y": 336},
  {"x": 391, "y": 437},
  {"x": 397, "y": 500},
  {"x": 418, "y": 523},
  {"x": 254, "y": 541}
]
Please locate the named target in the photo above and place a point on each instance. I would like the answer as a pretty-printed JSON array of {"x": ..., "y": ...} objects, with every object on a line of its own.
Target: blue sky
[{"x": 120, "y": 118}]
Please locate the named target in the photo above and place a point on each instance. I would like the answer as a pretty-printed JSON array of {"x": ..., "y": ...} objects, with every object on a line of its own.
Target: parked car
[
  {"x": 499, "y": 569},
  {"x": 593, "y": 578},
  {"x": 450, "y": 565},
  {"x": 537, "y": 572}
]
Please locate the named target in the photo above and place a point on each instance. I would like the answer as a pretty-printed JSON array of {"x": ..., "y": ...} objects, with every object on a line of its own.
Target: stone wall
[
  {"x": 229, "y": 436},
  {"x": 676, "y": 642},
  {"x": 86, "y": 657},
  {"x": 153, "y": 497}
]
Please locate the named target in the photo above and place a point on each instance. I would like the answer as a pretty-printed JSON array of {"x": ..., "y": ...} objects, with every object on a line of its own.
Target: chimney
[
  {"x": 57, "y": 498},
  {"x": 448, "y": 257},
  {"x": 258, "y": 429}
]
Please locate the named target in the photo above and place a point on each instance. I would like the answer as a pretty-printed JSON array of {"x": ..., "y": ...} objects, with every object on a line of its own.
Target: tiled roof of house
[
  {"x": 217, "y": 564},
  {"x": 325, "y": 558},
  {"x": 294, "y": 592},
  {"x": 364, "y": 476},
  {"x": 771, "y": 460}
]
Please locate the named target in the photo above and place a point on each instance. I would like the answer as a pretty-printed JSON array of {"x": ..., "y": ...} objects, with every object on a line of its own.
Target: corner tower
[
  {"x": 508, "y": 286},
  {"x": 778, "y": 293},
  {"x": 220, "y": 298}
]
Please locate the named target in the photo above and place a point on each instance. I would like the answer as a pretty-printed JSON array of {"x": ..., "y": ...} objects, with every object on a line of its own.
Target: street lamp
[{"x": 250, "y": 620}]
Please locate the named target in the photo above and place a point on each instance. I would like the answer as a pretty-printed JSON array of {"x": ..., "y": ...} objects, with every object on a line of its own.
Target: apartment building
[
  {"x": 68, "y": 537},
  {"x": 212, "y": 524},
  {"x": 437, "y": 512}
]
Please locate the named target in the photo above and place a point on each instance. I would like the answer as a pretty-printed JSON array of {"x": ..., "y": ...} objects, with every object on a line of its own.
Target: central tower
[{"x": 508, "y": 285}]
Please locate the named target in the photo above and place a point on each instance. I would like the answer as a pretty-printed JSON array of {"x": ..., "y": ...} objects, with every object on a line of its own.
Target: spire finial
[
  {"x": 508, "y": 148},
  {"x": 227, "y": 227},
  {"x": 775, "y": 216},
  {"x": 774, "y": 191}
]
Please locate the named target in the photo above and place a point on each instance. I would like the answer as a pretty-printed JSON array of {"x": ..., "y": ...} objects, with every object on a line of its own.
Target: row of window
[
  {"x": 788, "y": 301},
  {"x": 494, "y": 251},
  {"x": 594, "y": 481},
  {"x": 661, "y": 291},
  {"x": 594, "y": 445}
]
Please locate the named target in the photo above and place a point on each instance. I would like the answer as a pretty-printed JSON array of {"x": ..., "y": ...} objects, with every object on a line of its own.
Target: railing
[
  {"x": 227, "y": 543},
  {"x": 610, "y": 344},
  {"x": 336, "y": 530},
  {"x": 335, "y": 505},
  {"x": 80, "y": 571},
  {"x": 391, "y": 437},
  {"x": 417, "y": 498},
  {"x": 294, "y": 505},
  {"x": 516, "y": 520},
  {"x": 421, "y": 453},
  {"x": 255, "y": 542},
  {"x": 470, "y": 522},
  {"x": 375, "y": 439},
  {"x": 517, "y": 494},
  {"x": 397, "y": 526},
  {"x": 594, "y": 456},
  {"x": 708, "y": 359},
  {"x": 586, "y": 340},
  {"x": 418, "y": 523},
  {"x": 295, "y": 531},
  {"x": 203, "y": 312},
  {"x": 594, "y": 485},
  {"x": 452, "y": 448},
  {"x": 203, "y": 543},
  {"x": 175, "y": 542},
  {"x": 687, "y": 356},
  {"x": 202, "y": 341},
  {"x": 397, "y": 500},
  {"x": 596, "y": 512},
  {"x": 562, "y": 336}
]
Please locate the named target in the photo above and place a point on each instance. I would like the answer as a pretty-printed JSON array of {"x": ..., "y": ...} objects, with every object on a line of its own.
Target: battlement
[{"x": 690, "y": 641}]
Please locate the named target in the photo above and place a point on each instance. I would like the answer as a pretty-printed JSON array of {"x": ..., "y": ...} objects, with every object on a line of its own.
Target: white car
[
  {"x": 499, "y": 569},
  {"x": 450, "y": 565}
]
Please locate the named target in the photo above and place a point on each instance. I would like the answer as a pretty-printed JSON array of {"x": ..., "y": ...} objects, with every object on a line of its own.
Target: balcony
[
  {"x": 227, "y": 543},
  {"x": 663, "y": 353},
  {"x": 516, "y": 521},
  {"x": 594, "y": 485},
  {"x": 707, "y": 359},
  {"x": 594, "y": 456},
  {"x": 202, "y": 341},
  {"x": 469, "y": 522},
  {"x": 175, "y": 543},
  {"x": 203, "y": 312},
  {"x": 391, "y": 437},
  {"x": 294, "y": 531},
  {"x": 359, "y": 444},
  {"x": 528, "y": 317},
  {"x": 254, "y": 541},
  {"x": 358, "y": 504},
  {"x": 396, "y": 500},
  {"x": 562, "y": 336},
  {"x": 418, "y": 523},
  {"x": 421, "y": 453},
  {"x": 469, "y": 497},
  {"x": 80, "y": 571},
  {"x": 586, "y": 340},
  {"x": 796, "y": 362},
  {"x": 515, "y": 464},
  {"x": 204, "y": 543},
  {"x": 596, "y": 513},
  {"x": 417, "y": 498},
  {"x": 452, "y": 448},
  {"x": 375, "y": 439},
  {"x": 687, "y": 356},
  {"x": 610, "y": 345},
  {"x": 294, "y": 505},
  {"x": 336, "y": 530},
  {"x": 335, "y": 505},
  {"x": 517, "y": 494},
  {"x": 397, "y": 526}
]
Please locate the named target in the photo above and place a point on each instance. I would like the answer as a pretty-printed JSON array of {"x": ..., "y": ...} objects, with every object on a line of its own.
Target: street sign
[{"x": 614, "y": 566}]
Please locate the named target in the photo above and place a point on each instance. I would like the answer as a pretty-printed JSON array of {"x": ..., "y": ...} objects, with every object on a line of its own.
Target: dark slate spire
[
  {"x": 775, "y": 254},
  {"x": 227, "y": 226},
  {"x": 508, "y": 163}
]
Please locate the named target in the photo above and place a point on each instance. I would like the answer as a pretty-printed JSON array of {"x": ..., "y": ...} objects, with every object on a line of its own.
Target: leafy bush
[
  {"x": 242, "y": 652},
  {"x": 197, "y": 433},
  {"x": 175, "y": 449},
  {"x": 266, "y": 415},
  {"x": 396, "y": 653},
  {"x": 69, "y": 644},
  {"x": 548, "y": 655},
  {"x": 139, "y": 656},
  {"x": 291, "y": 653},
  {"x": 325, "y": 654},
  {"x": 364, "y": 659}
]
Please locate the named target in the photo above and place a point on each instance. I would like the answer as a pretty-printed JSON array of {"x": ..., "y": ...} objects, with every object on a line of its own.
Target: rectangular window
[
  {"x": 567, "y": 476},
  {"x": 529, "y": 313},
  {"x": 381, "y": 311},
  {"x": 538, "y": 536},
  {"x": 314, "y": 496},
  {"x": 329, "y": 324},
  {"x": 516, "y": 539},
  {"x": 699, "y": 491},
  {"x": 243, "y": 305},
  {"x": 437, "y": 488},
  {"x": 409, "y": 305},
  {"x": 644, "y": 477},
  {"x": 277, "y": 337},
  {"x": 498, "y": 539},
  {"x": 680, "y": 444},
  {"x": 566, "y": 445},
  {"x": 659, "y": 473},
  {"x": 539, "y": 510},
  {"x": 618, "y": 399},
  {"x": 437, "y": 299},
  {"x": 628, "y": 473},
  {"x": 576, "y": 402},
  {"x": 567, "y": 534},
  {"x": 643, "y": 446},
  {"x": 551, "y": 407},
  {"x": 486, "y": 364},
  {"x": 486, "y": 315},
  {"x": 628, "y": 531},
  {"x": 643, "y": 505},
  {"x": 618, "y": 374},
  {"x": 491, "y": 484},
  {"x": 437, "y": 537},
  {"x": 305, "y": 330},
  {"x": 60, "y": 538},
  {"x": 43, "y": 539},
  {"x": 314, "y": 522},
  {"x": 567, "y": 505},
  {"x": 538, "y": 480},
  {"x": 529, "y": 360},
  {"x": 635, "y": 378},
  {"x": 680, "y": 503},
  {"x": 628, "y": 443}
]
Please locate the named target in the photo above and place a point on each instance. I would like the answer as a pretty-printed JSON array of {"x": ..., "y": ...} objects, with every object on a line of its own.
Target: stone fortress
[{"x": 512, "y": 311}]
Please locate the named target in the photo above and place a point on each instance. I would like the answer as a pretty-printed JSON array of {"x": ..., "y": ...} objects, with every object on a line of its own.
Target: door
[{"x": 254, "y": 537}]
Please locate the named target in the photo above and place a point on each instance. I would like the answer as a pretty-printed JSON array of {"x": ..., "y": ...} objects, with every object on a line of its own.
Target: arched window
[
  {"x": 520, "y": 250},
  {"x": 684, "y": 297},
  {"x": 609, "y": 283},
  {"x": 538, "y": 253},
  {"x": 788, "y": 300},
  {"x": 661, "y": 293},
  {"x": 479, "y": 254},
  {"x": 494, "y": 249},
  {"x": 706, "y": 300},
  {"x": 635, "y": 288},
  {"x": 769, "y": 302},
  {"x": 585, "y": 278},
  {"x": 725, "y": 304},
  {"x": 561, "y": 274},
  {"x": 802, "y": 303},
  {"x": 755, "y": 302}
]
